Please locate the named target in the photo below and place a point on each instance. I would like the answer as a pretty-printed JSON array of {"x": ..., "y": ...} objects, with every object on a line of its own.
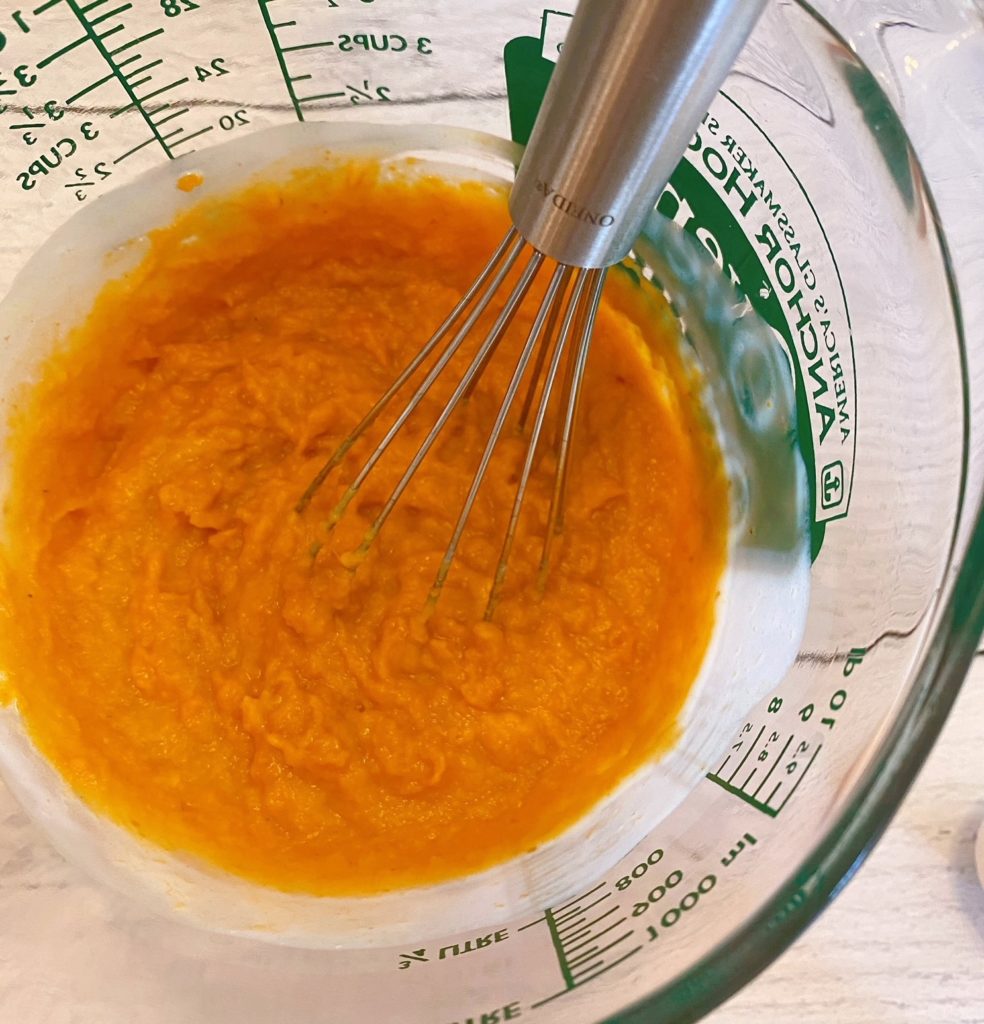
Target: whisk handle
[{"x": 633, "y": 81}]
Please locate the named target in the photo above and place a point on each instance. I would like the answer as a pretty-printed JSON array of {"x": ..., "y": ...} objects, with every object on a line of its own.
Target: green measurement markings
[
  {"x": 351, "y": 92},
  {"x": 765, "y": 771},
  {"x": 91, "y": 17},
  {"x": 272, "y": 27},
  {"x": 588, "y": 936}
]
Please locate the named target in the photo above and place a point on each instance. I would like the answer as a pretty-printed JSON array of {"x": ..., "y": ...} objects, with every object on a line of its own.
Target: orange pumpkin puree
[{"x": 198, "y": 675}]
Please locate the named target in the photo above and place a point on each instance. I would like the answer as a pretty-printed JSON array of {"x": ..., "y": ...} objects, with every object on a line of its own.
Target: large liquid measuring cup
[{"x": 802, "y": 186}]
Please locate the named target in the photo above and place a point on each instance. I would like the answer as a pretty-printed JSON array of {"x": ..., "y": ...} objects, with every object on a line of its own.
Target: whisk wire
[
  {"x": 425, "y": 386},
  {"x": 549, "y": 336},
  {"x": 562, "y": 326},
  {"x": 512, "y": 241},
  {"x": 471, "y": 374},
  {"x": 555, "y": 517},
  {"x": 571, "y": 316},
  {"x": 557, "y": 281}
]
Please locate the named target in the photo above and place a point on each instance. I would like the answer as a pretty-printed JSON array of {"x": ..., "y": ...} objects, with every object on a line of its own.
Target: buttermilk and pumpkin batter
[{"x": 199, "y": 674}]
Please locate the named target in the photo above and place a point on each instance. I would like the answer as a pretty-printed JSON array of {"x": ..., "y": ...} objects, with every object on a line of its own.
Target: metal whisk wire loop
[{"x": 562, "y": 325}]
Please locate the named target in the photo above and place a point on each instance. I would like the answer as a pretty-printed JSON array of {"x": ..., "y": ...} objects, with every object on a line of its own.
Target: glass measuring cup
[{"x": 799, "y": 174}]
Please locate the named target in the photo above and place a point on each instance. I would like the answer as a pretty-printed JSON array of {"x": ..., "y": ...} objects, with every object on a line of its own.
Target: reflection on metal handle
[{"x": 633, "y": 81}]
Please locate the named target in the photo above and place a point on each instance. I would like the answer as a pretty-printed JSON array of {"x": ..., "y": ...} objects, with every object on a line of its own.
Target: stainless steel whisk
[{"x": 633, "y": 81}]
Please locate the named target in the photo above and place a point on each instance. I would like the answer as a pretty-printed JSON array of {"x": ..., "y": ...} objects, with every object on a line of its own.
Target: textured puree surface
[{"x": 195, "y": 672}]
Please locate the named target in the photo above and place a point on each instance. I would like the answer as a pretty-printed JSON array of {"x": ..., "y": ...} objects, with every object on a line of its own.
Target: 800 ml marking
[{"x": 639, "y": 870}]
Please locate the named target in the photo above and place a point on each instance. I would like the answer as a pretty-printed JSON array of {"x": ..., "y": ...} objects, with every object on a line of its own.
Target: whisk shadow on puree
[{"x": 198, "y": 673}]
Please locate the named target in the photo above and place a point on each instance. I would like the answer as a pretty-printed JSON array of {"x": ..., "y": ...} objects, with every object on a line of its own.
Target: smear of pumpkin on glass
[{"x": 198, "y": 675}]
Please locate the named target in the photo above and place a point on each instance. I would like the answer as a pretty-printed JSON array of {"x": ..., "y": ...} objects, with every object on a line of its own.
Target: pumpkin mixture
[{"x": 195, "y": 657}]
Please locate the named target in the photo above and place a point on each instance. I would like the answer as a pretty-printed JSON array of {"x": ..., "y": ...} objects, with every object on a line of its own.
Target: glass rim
[{"x": 812, "y": 885}]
